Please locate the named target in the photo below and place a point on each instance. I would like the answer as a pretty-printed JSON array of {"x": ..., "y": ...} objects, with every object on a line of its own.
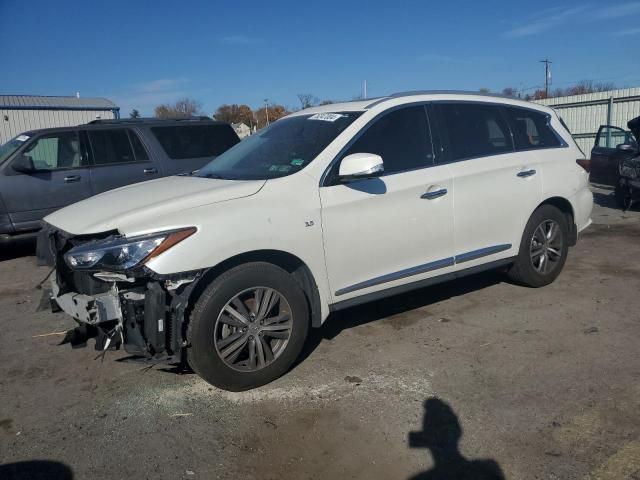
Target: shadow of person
[
  {"x": 441, "y": 432},
  {"x": 35, "y": 470}
]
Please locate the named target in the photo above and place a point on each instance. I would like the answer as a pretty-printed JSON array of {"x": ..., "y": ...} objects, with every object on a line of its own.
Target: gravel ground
[{"x": 477, "y": 376}]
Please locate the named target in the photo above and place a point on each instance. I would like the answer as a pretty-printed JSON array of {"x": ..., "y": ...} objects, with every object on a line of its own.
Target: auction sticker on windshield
[
  {"x": 22, "y": 138},
  {"x": 327, "y": 117}
]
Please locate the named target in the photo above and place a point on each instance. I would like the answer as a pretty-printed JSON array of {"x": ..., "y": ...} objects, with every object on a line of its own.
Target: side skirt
[{"x": 370, "y": 297}]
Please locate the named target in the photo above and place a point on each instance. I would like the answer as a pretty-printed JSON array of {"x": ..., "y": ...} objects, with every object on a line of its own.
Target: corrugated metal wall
[
  {"x": 14, "y": 122},
  {"x": 583, "y": 114}
]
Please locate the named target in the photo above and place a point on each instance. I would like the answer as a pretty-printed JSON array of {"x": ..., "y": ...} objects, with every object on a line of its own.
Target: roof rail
[
  {"x": 103, "y": 121},
  {"x": 438, "y": 92}
]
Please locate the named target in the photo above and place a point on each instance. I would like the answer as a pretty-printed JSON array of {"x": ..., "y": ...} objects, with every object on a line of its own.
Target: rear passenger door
[
  {"x": 495, "y": 187},
  {"x": 119, "y": 158}
]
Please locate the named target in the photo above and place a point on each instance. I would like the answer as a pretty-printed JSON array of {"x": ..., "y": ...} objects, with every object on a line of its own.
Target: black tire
[
  {"x": 202, "y": 354},
  {"x": 523, "y": 271}
]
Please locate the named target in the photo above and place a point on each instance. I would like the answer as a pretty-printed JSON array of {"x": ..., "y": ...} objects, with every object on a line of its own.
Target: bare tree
[
  {"x": 484, "y": 90},
  {"x": 185, "y": 107},
  {"x": 509, "y": 92},
  {"x": 134, "y": 113},
  {"x": 307, "y": 100}
]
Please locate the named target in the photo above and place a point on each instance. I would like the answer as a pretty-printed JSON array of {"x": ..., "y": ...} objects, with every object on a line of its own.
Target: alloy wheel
[
  {"x": 253, "y": 329},
  {"x": 546, "y": 246}
]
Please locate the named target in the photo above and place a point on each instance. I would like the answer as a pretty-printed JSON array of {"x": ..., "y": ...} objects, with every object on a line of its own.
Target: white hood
[{"x": 142, "y": 201}]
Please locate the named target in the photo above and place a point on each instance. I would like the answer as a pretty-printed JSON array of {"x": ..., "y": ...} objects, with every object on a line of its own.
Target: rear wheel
[
  {"x": 248, "y": 327},
  {"x": 543, "y": 248}
]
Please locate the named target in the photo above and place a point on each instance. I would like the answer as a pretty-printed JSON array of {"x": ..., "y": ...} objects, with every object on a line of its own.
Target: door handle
[
  {"x": 434, "y": 194},
  {"x": 72, "y": 178},
  {"x": 526, "y": 173},
  {"x": 150, "y": 170}
]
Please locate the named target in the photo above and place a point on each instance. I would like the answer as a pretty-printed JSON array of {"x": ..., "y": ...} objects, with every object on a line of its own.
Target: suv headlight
[{"x": 124, "y": 253}]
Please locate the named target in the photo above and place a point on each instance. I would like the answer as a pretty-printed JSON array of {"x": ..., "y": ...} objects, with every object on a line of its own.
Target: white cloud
[
  {"x": 239, "y": 40},
  {"x": 619, "y": 11},
  {"x": 148, "y": 95},
  {"x": 546, "y": 20},
  {"x": 553, "y": 17},
  {"x": 626, "y": 33}
]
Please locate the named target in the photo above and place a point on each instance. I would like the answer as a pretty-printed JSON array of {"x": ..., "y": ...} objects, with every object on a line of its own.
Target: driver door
[
  {"x": 606, "y": 154},
  {"x": 60, "y": 178}
]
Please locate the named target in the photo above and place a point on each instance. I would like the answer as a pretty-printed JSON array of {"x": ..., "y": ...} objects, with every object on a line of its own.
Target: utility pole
[
  {"x": 266, "y": 110},
  {"x": 365, "y": 90},
  {"x": 547, "y": 76}
]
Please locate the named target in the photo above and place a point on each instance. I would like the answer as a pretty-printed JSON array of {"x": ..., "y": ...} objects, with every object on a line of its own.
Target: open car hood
[{"x": 137, "y": 203}]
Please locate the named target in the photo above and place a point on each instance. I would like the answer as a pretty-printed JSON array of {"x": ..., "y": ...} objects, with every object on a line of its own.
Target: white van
[{"x": 227, "y": 268}]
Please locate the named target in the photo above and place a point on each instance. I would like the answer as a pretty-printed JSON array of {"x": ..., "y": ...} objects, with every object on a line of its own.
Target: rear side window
[
  {"x": 531, "y": 129},
  {"x": 195, "y": 141},
  {"x": 116, "y": 146},
  {"x": 474, "y": 130},
  {"x": 401, "y": 138}
]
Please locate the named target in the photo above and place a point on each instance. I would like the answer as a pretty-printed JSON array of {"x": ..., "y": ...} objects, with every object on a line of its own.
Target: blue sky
[{"x": 142, "y": 53}]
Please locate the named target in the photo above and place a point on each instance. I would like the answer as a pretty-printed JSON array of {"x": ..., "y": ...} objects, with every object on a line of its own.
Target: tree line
[{"x": 259, "y": 117}]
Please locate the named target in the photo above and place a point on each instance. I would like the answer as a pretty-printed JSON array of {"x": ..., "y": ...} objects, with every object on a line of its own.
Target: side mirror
[
  {"x": 361, "y": 165},
  {"x": 23, "y": 164}
]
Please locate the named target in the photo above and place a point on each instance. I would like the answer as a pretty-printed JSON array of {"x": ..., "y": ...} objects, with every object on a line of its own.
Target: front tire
[
  {"x": 248, "y": 327},
  {"x": 543, "y": 248}
]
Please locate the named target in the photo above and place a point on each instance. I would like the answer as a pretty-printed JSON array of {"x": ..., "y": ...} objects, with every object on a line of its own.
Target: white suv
[{"x": 226, "y": 268}]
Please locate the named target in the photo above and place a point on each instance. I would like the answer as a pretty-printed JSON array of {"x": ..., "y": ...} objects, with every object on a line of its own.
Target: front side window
[
  {"x": 55, "y": 151},
  {"x": 114, "y": 146},
  {"x": 531, "y": 129},
  {"x": 195, "y": 141},
  {"x": 284, "y": 148},
  {"x": 401, "y": 138},
  {"x": 475, "y": 130}
]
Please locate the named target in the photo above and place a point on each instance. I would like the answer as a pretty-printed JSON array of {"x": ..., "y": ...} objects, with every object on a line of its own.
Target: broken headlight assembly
[{"x": 119, "y": 254}]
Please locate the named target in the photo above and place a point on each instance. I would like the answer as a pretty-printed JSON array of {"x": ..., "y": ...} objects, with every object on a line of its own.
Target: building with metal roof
[{"x": 21, "y": 113}]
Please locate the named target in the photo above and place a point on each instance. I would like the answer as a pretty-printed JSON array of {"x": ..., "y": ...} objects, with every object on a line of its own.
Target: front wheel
[
  {"x": 248, "y": 327},
  {"x": 543, "y": 248}
]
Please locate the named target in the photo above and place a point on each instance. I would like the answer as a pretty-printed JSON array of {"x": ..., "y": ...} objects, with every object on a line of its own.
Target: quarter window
[
  {"x": 195, "y": 141},
  {"x": 531, "y": 129},
  {"x": 474, "y": 130},
  {"x": 60, "y": 150},
  {"x": 401, "y": 138}
]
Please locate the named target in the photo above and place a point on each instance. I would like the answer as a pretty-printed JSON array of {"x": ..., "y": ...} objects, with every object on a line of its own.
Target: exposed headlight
[{"x": 124, "y": 253}]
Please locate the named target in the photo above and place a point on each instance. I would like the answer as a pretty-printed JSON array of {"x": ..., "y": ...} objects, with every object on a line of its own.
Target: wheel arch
[
  {"x": 567, "y": 209},
  {"x": 285, "y": 260}
]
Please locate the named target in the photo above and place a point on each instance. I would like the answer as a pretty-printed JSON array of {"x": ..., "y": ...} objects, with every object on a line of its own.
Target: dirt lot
[{"x": 537, "y": 384}]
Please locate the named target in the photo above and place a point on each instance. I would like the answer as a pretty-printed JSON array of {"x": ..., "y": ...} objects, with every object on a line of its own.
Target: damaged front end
[{"x": 102, "y": 282}]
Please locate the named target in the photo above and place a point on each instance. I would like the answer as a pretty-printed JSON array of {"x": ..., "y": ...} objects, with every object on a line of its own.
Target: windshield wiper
[{"x": 216, "y": 176}]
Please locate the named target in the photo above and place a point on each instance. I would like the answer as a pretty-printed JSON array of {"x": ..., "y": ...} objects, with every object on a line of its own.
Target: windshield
[
  {"x": 11, "y": 146},
  {"x": 283, "y": 148}
]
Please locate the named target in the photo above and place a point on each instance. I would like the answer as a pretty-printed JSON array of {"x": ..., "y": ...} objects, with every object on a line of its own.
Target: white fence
[{"x": 583, "y": 114}]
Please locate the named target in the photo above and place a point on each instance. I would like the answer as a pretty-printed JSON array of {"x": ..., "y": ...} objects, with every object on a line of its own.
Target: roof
[
  {"x": 36, "y": 102},
  {"x": 362, "y": 105}
]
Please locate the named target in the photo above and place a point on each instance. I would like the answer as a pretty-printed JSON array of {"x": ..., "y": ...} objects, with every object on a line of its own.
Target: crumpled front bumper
[{"x": 138, "y": 310}]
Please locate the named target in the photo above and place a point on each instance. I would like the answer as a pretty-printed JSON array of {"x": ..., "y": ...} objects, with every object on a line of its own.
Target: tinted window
[
  {"x": 283, "y": 148},
  {"x": 611, "y": 137},
  {"x": 111, "y": 146},
  {"x": 474, "y": 130},
  {"x": 195, "y": 141},
  {"x": 531, "y": 129},
  {"x": 138, "y": 149},
  {"x": 401, "y": 138},
  {"x": 60, "y": 150}
]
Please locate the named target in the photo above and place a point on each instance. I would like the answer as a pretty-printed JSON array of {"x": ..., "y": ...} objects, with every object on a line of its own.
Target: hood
[
  {"x": 139, "y": 202},
  {"x": 634, "y": 126}
]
